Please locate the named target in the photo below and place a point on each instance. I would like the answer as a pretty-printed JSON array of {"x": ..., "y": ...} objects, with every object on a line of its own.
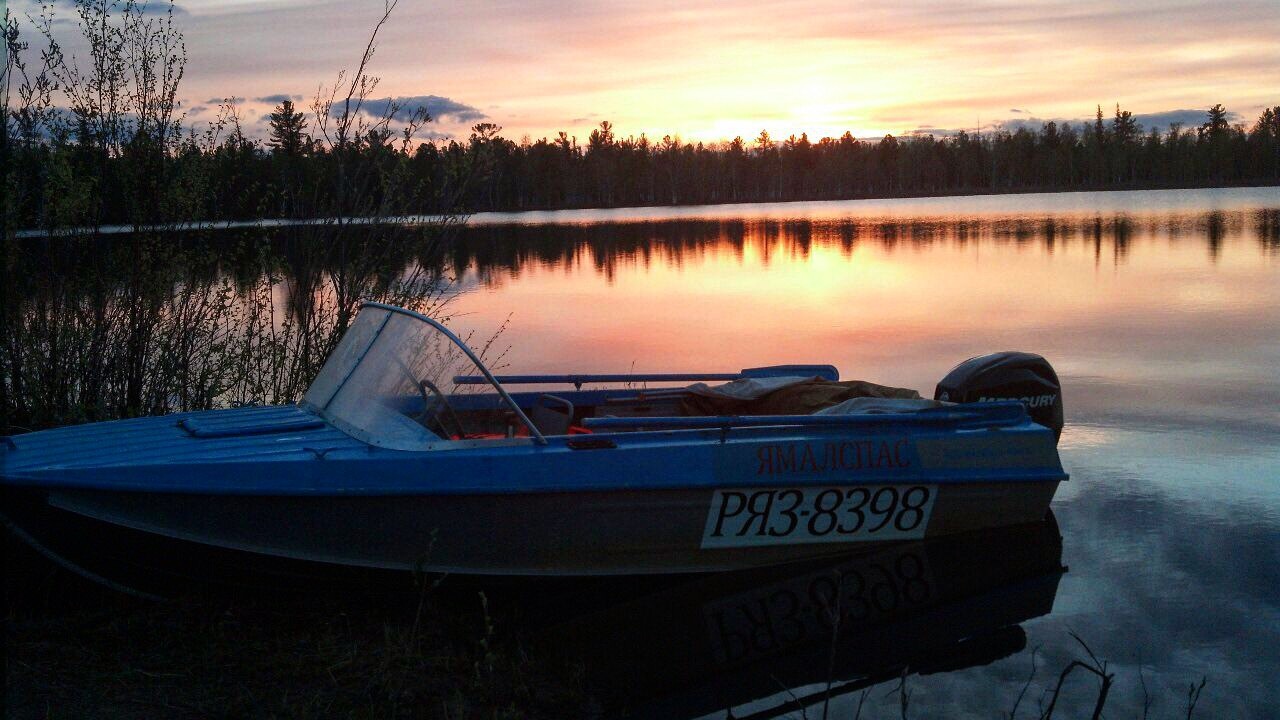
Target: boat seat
[{"x": 552, "y": 415}]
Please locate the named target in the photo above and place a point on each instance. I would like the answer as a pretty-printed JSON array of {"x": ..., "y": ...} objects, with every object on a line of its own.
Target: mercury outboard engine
[{"x": 1025, "y": 377}]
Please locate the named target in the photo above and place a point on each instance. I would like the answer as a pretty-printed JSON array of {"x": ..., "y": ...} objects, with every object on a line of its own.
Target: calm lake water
[{"x": 1161, "y": 313}]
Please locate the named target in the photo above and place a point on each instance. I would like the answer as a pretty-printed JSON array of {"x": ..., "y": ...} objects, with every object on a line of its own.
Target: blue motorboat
[{"x": 408, "y": 453}]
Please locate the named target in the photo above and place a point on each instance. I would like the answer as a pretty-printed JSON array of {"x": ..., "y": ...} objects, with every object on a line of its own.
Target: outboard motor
[{"x": 1008, "y": 376}]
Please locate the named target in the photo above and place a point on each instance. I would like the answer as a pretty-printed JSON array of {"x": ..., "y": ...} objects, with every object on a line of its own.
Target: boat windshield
[{"x": 390, "y": 382}]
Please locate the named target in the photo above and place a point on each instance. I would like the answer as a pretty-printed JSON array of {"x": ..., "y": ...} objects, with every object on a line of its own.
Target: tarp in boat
[
  {"x": 788, "y": 396},
  {"x": 878, "y": 406}
]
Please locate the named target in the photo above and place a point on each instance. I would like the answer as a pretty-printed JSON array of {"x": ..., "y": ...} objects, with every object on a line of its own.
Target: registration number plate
[{"x": 784, "y": 516}]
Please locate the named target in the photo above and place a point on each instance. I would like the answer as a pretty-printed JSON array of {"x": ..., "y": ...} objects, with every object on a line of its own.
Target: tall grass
[{"x": 104, "y": 329}]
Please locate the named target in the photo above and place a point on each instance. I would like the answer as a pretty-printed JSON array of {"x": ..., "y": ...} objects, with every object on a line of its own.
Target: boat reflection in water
[{"x": 768, "y": 643}]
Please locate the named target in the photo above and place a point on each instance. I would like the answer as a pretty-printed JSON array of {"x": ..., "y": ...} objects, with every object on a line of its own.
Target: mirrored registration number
[{"x": 782, "y": 516}]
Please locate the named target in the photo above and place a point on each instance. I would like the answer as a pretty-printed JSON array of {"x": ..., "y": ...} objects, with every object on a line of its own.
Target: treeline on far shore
[
  {"x": 229, "y": 175},
  {"x": 608, "y": 171}
]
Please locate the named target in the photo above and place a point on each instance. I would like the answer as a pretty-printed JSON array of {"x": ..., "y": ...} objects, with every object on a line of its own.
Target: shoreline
[{"x": 540, "y": 216}]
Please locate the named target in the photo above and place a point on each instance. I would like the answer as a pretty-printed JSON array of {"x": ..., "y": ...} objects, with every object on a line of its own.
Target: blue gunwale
[
  {"x": 326, "y": 463},
  {"x": 991, "y": 414}
]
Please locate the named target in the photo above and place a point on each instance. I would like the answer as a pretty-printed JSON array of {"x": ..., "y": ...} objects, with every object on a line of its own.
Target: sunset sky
[{"x": 707, "y": 70}]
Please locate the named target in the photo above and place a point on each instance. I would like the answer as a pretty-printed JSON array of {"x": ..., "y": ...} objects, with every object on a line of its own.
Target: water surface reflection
[{"x": 804, "y": 639}]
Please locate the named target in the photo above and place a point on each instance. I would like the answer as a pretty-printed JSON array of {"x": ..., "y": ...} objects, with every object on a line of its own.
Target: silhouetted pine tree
[{"x": 288, "y": 128}]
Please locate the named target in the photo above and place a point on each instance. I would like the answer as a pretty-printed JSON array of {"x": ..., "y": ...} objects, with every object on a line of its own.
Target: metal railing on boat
[{"x": 826, "y": 372}]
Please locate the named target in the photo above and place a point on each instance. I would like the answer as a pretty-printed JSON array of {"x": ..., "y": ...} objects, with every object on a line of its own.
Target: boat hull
[
  {"x": 281, "y": 482},
  {"x": 625, "y": 532}
]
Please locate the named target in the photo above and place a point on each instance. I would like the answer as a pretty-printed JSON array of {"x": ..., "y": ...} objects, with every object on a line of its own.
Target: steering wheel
[{"x": 429, "y": 406}]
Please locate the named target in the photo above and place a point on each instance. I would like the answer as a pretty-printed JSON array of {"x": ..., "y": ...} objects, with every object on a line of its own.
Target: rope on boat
[{"x": 66, "y": 564}]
